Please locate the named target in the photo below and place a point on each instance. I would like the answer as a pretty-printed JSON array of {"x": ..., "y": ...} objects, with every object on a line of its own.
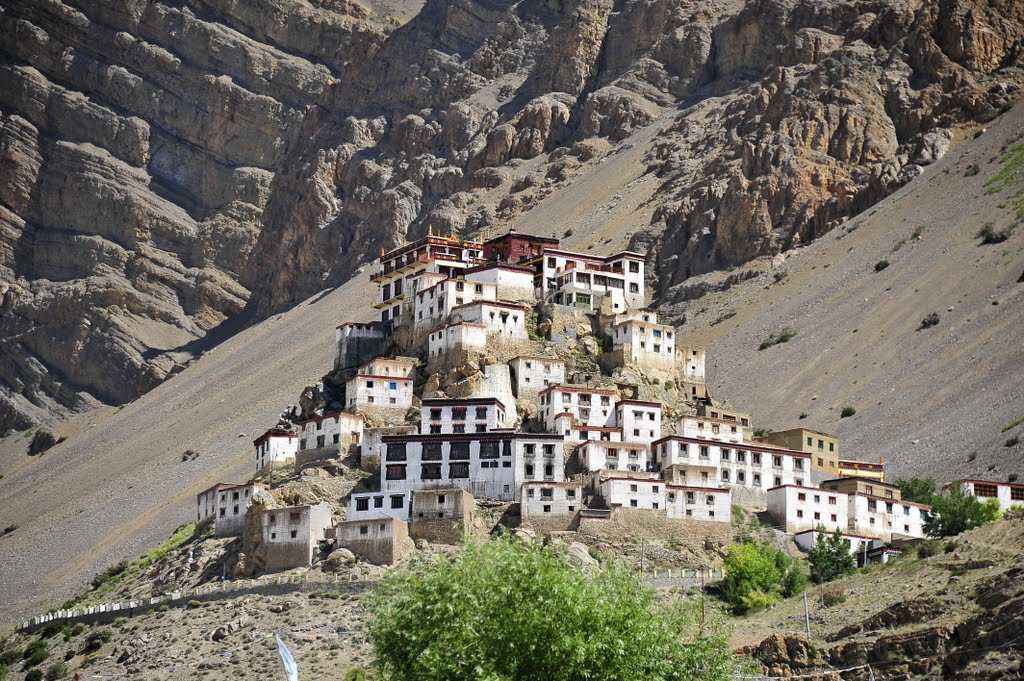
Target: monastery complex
[{"x": 517, "y": 373}]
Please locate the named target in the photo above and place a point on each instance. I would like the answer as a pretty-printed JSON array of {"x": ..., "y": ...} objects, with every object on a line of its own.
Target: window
[
  {"x": 395, "y": 451},
  {"x": 481, "y": 412},
  {"x": 459, "y": 451},
  {"x": 458, "y": 413},
  {"x": 489, "y": 450},
  {"x": 363, "y": 504},
  {"x": 435, "y": 414},
  {"x": 1017, "y": 493},
  {"x": 320, "y": 441},
  {"x": 634, "y": 266},
  {"x": 378, "y": 502},
  {"x": 430, "y": 471},
  {"x": 392, "y": 385},
  {"x": 832, "y": 501},
  {"x": 777, "y": 461},
  {"x": 394, "y": 472},
  {"x": 458, "y": 469},
  {"x": 294, "y": 533},
  {"x": 799, "y": 514},
  {"x": 633, "y": 503},
  {"x": 364, "y": 529},
  {"x": 431, "y": 451},
  {"x": 834, "y": 517},
  {"x": 984, "y": 490}
]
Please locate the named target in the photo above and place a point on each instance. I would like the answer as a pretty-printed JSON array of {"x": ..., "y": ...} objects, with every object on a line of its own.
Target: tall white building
[
  {"x": 382, "y": 383},
  {"x": 462, "y": 415}
]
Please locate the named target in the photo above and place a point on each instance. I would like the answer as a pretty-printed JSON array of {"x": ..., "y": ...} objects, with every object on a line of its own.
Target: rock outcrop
[{"x": 172, "y": 171}]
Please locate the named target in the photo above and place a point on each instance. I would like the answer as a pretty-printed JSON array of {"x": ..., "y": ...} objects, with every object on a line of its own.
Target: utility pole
[
  {"x": 703, "y": 607},
  {"x": 641, "y": 556},
  {"x": 807, "y": 617}
]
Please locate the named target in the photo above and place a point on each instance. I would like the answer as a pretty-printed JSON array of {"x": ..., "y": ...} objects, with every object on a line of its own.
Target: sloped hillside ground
[
  {"x": 592, "y": 168},
  {"x": 933, "y": 401},
  {"x": 955, "y": 615},
  {"x": 172, "y": 171},
  {"x": 119, "y": 486}
]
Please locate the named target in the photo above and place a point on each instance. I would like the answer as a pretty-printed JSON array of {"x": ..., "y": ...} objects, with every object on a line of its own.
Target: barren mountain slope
[
  {"x": 119, "y": 485},
  {"x": 168, "y": 169},
  {"x": 932, "y": 401}
]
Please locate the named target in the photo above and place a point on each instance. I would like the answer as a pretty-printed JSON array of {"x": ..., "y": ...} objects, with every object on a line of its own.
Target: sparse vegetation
[
  {"x": 57, "y": 670},
  {"x": 36, "y": 653},
  {"x": 1013, "y": 424},
  {"x": 930, "y": 320},
  {"x": 779, "y": 277},
  {"x": 972, "y": 170},
  {"x": 847, "y": 412},
  {"x": 34, "y": 675},
  {"x": 757, "y": 575},
  {"x": 783, "y": 336},
  {"x": 802, "y": 416},
  {"x": 990, "y": 235},
  {"x": 833, "y": 597},
  {"x": 881, "y": 265},
  {"x": 42, "y": 440},
  {"x": 1010, "y": 177},
  {"x": 189, "y": 455},
  {"x": 107, "y": 581},
  {"x": 1012, "y": 442},
  {"x": 958, "y": 512},
  {"x": 831, "y": 558},
  {"x": 510, "y": 611}
]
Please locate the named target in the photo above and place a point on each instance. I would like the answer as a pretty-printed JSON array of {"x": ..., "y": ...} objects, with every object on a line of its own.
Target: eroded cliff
[{"x": 171, "y": 170}]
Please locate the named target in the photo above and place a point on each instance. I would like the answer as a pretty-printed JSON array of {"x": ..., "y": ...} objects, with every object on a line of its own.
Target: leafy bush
[
  {"x": 34, "y": 675},
  {"x": 783, "y": 336},
  {"x": 927, "y": 549},
  {"x": 972, "y": 170},
  {"x": 833, "y": 597},
  {"x": 831, "y": 557},
  {"x": 36, "y": 653},
  {"x": 918, "y": 490},
  {"x": 507, "y": 611},
  {"x": 881, "y": 265},
  {"x": 950, "y": 547},
  {"x": 803, "y": 415},
  {"x": 756, "y": 575},
  {"x": 1012, "y": 441},
  {"x": 990, "y": 235},
  {"x": 958, "y": 512},
  {"x": 847, "y": 412},
  {"x": 930, "y": 320},
  {"x": 56, "y": 671}
]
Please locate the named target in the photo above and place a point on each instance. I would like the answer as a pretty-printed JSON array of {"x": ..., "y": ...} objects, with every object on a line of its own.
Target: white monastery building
[
  {"x": 467, "y": 336},
  {"x": 1008, "y": 494},
  {"x": 382, "y": 383},
  {"x": 531, "y": 374},
  {"x": 467, "y": 415},
  {"x": 275, "y": 447}
]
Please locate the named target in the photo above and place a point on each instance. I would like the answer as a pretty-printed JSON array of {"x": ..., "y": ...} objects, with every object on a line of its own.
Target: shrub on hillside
[
  {"x": 930, "y": 320},
  {"x": 56, "y": 671},
  {"x": 831, "y": 558},
  {"x": 833, "y": 597},
  {"x": 34, "y": 675},
  {"x": 757, "y": 575},
  {"x": 783, "y": 336},
  {"x": 881, "y": 265},
  {"x": 505, "y": 611},
  {"x": 918, "y": 490},
  {"x": 847, "y": 412},
  {"x": 36, "y": 653},
  {"x": 958, "y": 512}
]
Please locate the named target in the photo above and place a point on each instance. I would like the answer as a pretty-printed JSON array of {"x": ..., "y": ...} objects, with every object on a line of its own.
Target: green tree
[
  {"x": 506, "y": 611},
  {"x": 919, "y": 490},
  {"x": 831, "y": 557},
  {"x": 757, "y": 575},
  {"x": 958, "y": 512}
]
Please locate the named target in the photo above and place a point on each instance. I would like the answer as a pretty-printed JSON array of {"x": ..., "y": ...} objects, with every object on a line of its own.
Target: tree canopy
[
  {"x": 507, "y": 611},
  {"x": 958, "y": 512},
  {"x": 757, "y": 575},
  {"x": 919, "y": 490},
  {"x": 831, "y": 558}
]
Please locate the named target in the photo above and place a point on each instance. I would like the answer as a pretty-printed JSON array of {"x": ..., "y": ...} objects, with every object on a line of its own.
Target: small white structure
[
  {"x": 740, "y": 464},
  {"x": 466, "y": 415},
  {"x": 290, "y": 536},
  {"x": 588, "y": 406},
  {"x": 569, "y": 278},
  {"x": 531, "y": 374},
  {"x": 1008, "y": 494},
  {"x": 276, "y": 447},
  {"x": 492, "y": 464},
  {"x": 465, "y": 336},
  {"x": 233, "y": 502},
  {"x": 640, "y": 420},
  {"x": 382, "y": 384},
  {"x": 328, "y": 435},
  {"x": 860, "y": 545},
  {"x": 433, "y": 305},
  {"x": 645, "y": 344},
  {"x": 511, "y": 282},
  {"x": 633, "y": 492},
  {"x": 808, "y": 508},
  {"x": 597, "y": 455},
  {"x": 504, "y": 321},
  {"x": 690, "y": 362},
  {"x": 710, "y": 504},
  {"x": 886, "y": 518},
  {"x": 707, "y": 428},
  {"x": 542, "y": 499},
  {"x": 576, "y": 431},
  {"x": 207, "y": 502}
]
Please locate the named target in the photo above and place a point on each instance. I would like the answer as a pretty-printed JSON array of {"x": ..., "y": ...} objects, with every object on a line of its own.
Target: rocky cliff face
[{"x": 168, "y": 170}]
